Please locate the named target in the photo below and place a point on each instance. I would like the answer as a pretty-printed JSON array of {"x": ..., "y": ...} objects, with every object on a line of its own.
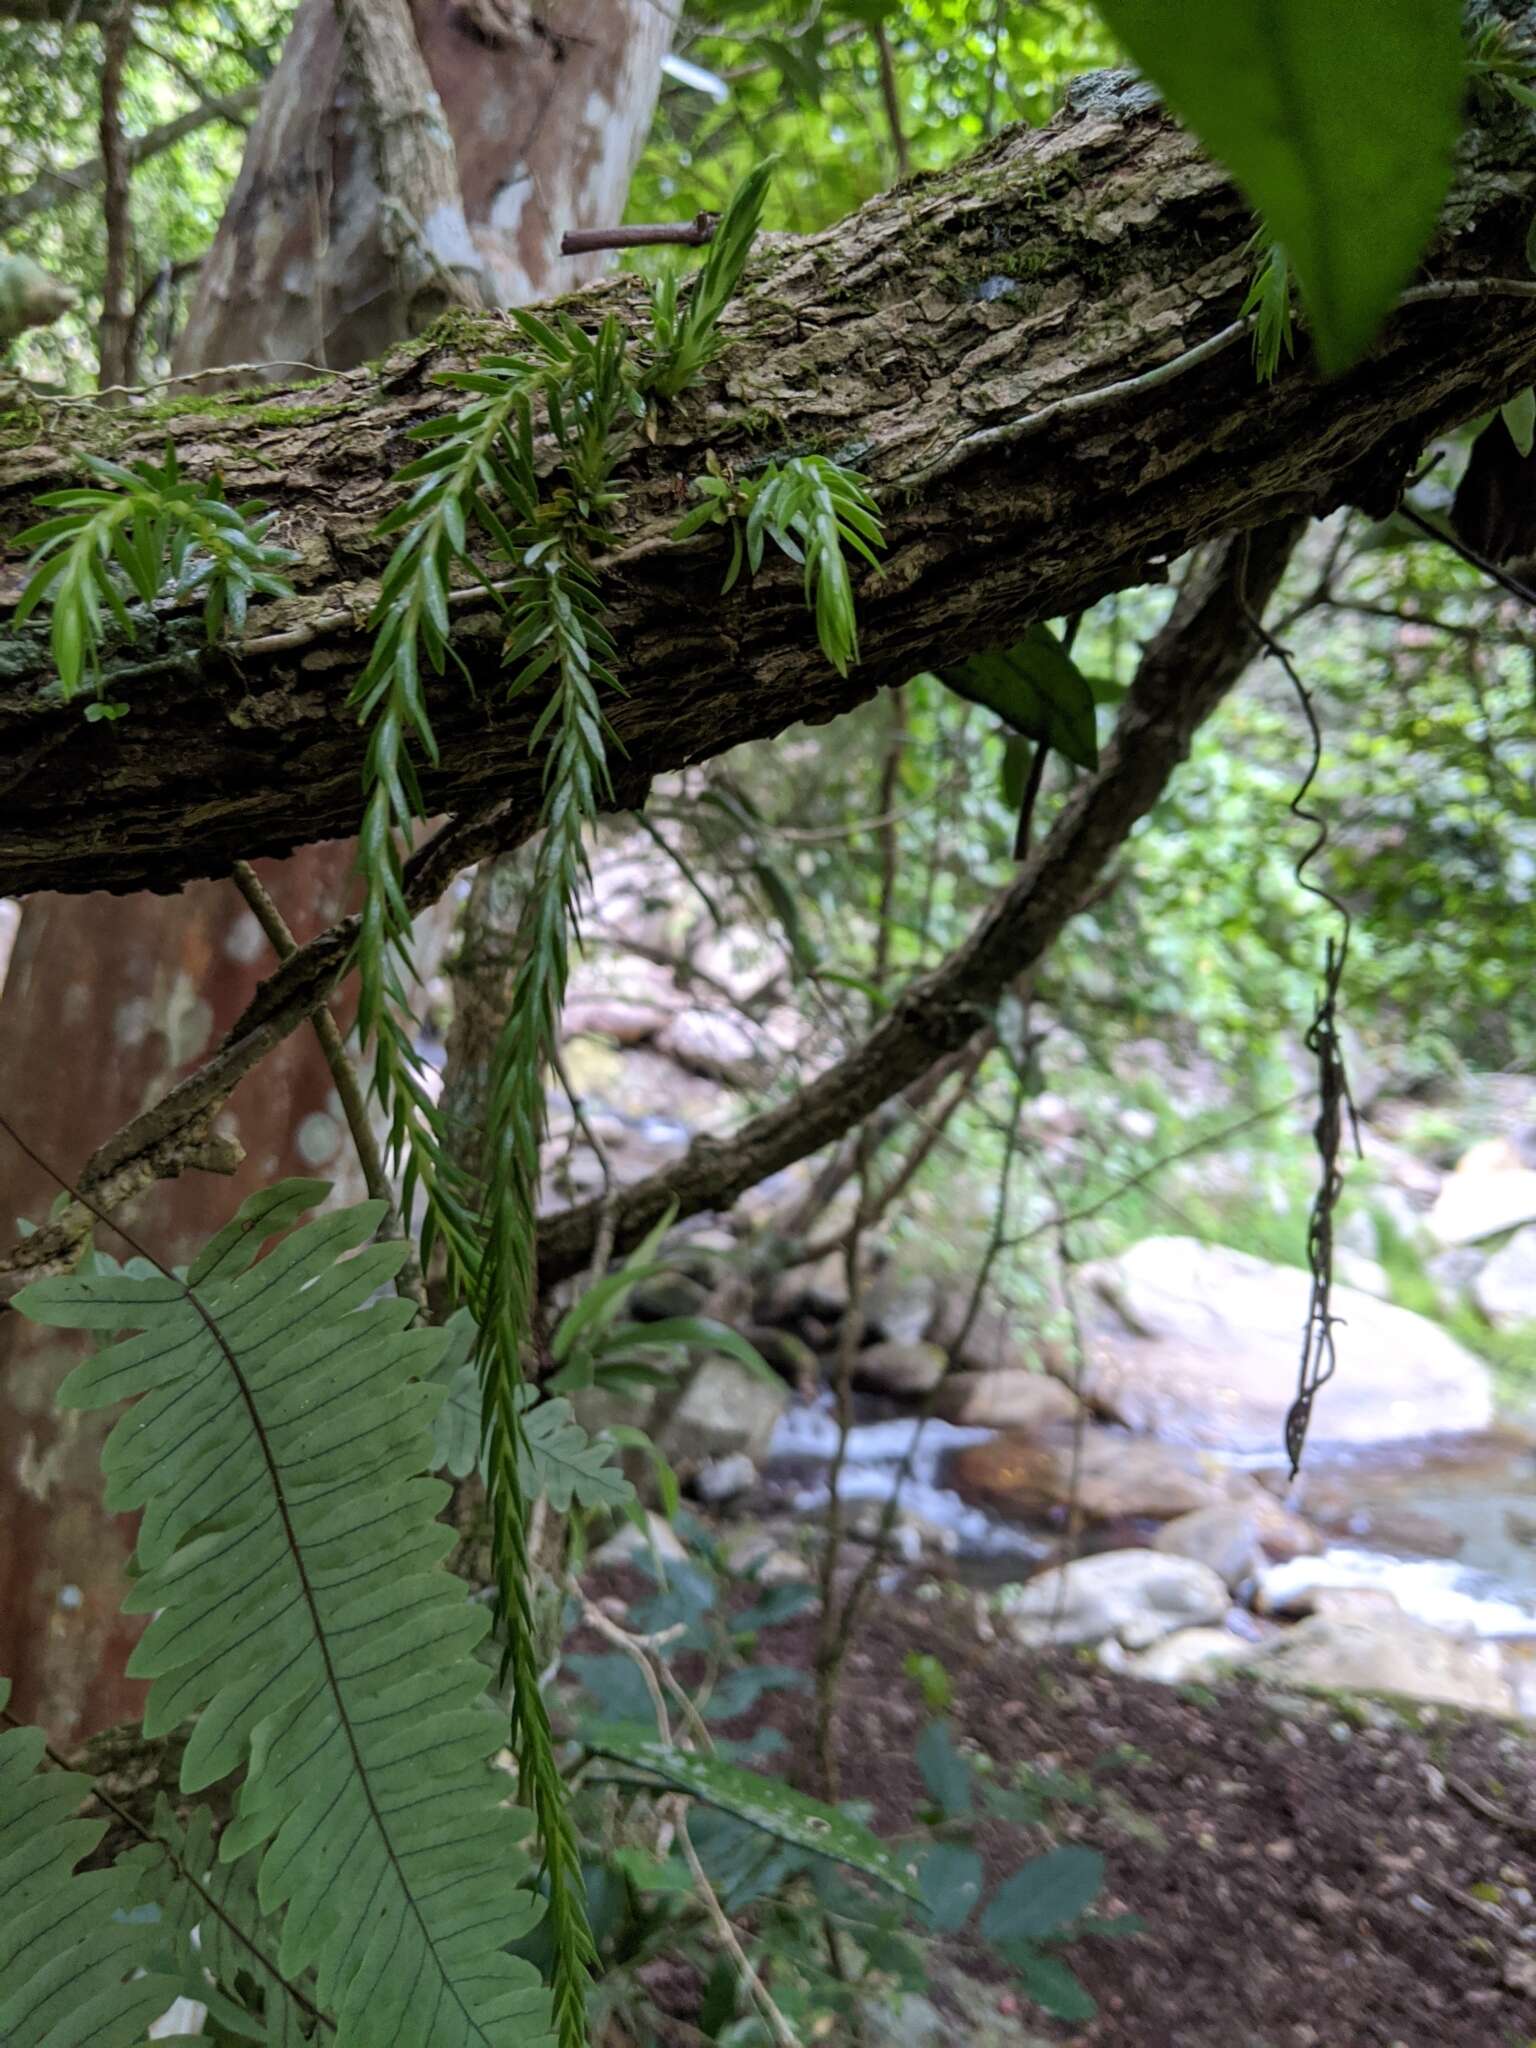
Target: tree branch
[
  {"x": 53, "y": 189},
  {"x": 1183, "y": 675},
  {"x": 1186, "y": 670},
  {"x": 1019, "y": 353}
]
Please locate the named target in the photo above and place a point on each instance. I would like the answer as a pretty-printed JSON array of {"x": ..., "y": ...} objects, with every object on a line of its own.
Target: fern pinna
[{"x": 289, "y": 1554}]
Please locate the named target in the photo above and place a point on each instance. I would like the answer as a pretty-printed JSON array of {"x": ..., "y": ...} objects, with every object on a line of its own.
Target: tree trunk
[
  {"x": 107, "y": 1002},
  {"x": 1035, "y": 357}
]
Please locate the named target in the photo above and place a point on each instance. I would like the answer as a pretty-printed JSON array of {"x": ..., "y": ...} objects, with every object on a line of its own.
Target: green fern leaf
[
  {"x": 289, "y": 1553},
  {"x": 194, "y": 1895},
  {"x": 560, "y": 1459},
  {"x": 70, "y": 1955}
]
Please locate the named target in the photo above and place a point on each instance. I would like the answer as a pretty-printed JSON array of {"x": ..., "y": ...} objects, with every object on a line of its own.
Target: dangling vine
[
  {"x": 577, "y": 398},
  {"x": 514, "y": 489}
]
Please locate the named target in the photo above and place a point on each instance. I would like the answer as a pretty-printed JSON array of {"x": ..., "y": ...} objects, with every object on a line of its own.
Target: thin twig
[
  {"x": 1151, "y": 1170},
  {"x": 603, "y": 1243},
  {"x": 890, "y": 93},
  {"x": 1517, "y": 1823},
  {"x": 1470, "y": 555},
  {"x": 349, "y": 1088},
  {"x": 1009, "y": 432},
  {"x": 690, "y": 234},
  {"x": 640, "y": 1650}
]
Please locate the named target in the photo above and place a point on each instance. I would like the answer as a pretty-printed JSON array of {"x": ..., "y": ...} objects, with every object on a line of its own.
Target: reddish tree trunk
[{"x": 109, "y": 1000}]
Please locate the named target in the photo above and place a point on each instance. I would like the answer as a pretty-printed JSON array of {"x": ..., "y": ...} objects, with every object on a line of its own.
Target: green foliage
[
  {"x": 1269, "y": 302},
  {"x": 479, "y": 475},
  {"x": 787, "y": 1868},
  {"x": 143, "y": 532},
  {"x": 812, "y": 94},
  {"x": 763, "y": 1803},
  {"x": 71, "y": 1950},
  {"x": 289, "y": 1554},
  {"x": 1035, "y": 687},
  {"x": 814, "y": 510},
  {"x": 1338, "y": 122},
  {"x": 686, "y": 340},
  {"x": 1501, "y": 64}
]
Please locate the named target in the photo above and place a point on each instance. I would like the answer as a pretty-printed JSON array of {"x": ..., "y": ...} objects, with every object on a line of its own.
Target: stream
[{"x": 1446, "y": 1525}]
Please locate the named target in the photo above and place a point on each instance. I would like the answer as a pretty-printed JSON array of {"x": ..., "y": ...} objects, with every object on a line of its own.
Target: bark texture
[
  {"x": 1033, "y": 358},
  {"x": 508, "y": 129}
]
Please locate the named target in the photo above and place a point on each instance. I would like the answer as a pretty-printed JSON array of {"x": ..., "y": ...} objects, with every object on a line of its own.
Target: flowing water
[{"x": 1447, "y": 1526}]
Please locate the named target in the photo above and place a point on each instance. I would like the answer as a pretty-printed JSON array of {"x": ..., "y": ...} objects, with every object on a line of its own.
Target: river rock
[
  {"x": 1491, "y": 1191},
  {"x": 1369, "y": 1276},
  {"x": 1282, "y": 1533},
  {"x": 1010, "y": 1399},
  {"x": 1455, "y": 1272},
  {"x": 1186, "y": 1657},
  {"x": 658, "y": 1538},
  {"x": 1025, "y": 1477},
  {"x": 719, "y": 1047},
  {"x": 900, "y": 1306},
  {"x": 1225, "y": 1538},
  {"x": 626, "y": 1023},
  {"x": 722, "y": 1410},
  {"x": 1386, "y": 1653},
  {"x": 1505, "y": 1289},
  {"x": 906, "y": 1370},
  {"x": 1134, "y": 1596},
  {"x": 1199, "y": 1343},
  {"x": 989, "y": 1341}
]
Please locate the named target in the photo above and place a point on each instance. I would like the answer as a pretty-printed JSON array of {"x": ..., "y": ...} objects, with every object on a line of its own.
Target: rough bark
[
  {"x": 543, "y": 124},
  {"x": 1026, "y": 355},
  {"x": 1186, "y": 670}
]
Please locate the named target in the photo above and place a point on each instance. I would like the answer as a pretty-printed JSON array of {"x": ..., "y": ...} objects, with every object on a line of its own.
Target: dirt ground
[
  {"x": 1313, "y": 1874},
  {"x": 1307, "y": 1881}
]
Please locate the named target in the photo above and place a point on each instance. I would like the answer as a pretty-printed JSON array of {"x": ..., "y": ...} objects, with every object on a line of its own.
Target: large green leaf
[
  {"x": 290, "y": 1555},
  {"x": 1037, "y": 688},
  {"x": 765, "y": 1803},
  {"x": 1045, "y": 1895},
  {"x": 1337, "y": 117}
]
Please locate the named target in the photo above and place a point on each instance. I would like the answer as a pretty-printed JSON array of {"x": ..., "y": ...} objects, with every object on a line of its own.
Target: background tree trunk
[{"x": 107, "y": 1001}]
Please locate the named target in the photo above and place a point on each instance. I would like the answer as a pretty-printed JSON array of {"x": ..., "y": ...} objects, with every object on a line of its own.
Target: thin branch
[
  {"x": 688, "y": 234},
  {"x": 1185, "y": 672},
  {"x": 349, "y": 1088},
  {"x": 890, "y": 93},
  {"x": 52, "y": 189},
  {"x": 116, "y": 362}
]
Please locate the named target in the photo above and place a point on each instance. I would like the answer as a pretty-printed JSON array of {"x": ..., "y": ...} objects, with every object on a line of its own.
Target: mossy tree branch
[{"x": 1005, "y": 349}]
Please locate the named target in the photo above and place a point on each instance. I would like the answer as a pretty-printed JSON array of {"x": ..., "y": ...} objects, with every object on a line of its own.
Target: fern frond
[
  {"x": 686, "y": 341},
  {"x": 143, "y": 532},
  {"x": 814, "y": 510},
  {"x": 1269, "y": 300},
  {"x": 71, "y": 1955},
  {"x": 289, "y": 1554}
]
